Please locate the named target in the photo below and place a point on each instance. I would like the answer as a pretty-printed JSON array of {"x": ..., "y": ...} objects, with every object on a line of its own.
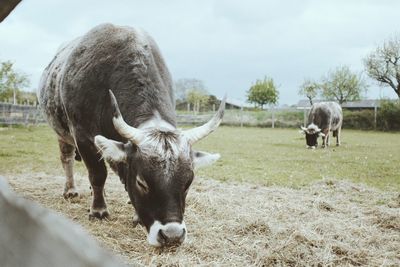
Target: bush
[
  {"x": 389, "y": 115},
  {"x": 360, "y": 119}
]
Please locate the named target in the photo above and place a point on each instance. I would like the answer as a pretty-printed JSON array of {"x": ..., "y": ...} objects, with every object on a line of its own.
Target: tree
[
  {"x": 343, "y": 85},
  {"x": 309, "y": 89},
  {"x": 182, "y": 87},
  {"x": 197, "y": 98},
  {"x": 212, "y": 102},
  {"x": 383, "y": 64},
  {"x": 11, "y": 81},
  {"x": 263, "y": 92}
]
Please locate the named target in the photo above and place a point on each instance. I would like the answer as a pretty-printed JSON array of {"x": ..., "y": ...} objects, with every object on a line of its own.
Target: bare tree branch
[{"x": 383, "y": 64}]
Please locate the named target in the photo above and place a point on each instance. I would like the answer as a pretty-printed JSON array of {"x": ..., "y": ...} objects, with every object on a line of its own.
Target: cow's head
[
  {"x": 157, "y": 166},
  {"x": 312, "y": 132}
]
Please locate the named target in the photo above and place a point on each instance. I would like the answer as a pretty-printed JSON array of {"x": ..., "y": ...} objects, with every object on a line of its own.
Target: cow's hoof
[
  {"x": 337, "y": 144},
  {"x": 70, "y": 193},
  {"x": 136, "y": 220},
  {"x": 98, "y": 213}
]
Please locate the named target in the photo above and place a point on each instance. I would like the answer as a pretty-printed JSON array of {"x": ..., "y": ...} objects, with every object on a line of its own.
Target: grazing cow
[
  {"x": 323, "y": 118},
  {"x": 132, "y": 126}
]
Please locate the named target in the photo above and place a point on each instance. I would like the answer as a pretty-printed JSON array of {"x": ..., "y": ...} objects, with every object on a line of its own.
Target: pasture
[{"x": 268, "y": 201}]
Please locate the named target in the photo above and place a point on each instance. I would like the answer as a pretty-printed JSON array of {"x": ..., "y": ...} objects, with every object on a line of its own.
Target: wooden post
[
  {"x": 37, "y": 237},
  {"x": 14, "y": 97},
  {"x": 375, "y": 115},
  {"x": 6, "y": 7},
  {"x": 241, "y": 116},
  {"x": 273, "y": 117},
  {"x": 27, "y": 118}
]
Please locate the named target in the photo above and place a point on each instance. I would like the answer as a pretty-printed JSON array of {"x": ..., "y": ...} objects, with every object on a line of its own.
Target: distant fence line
[
  {"x": 32, "y": 115},
  {"x": 11, "y": 114},
  {"x": 386, "y": 118},
  {"x": 289, "y": 117}
]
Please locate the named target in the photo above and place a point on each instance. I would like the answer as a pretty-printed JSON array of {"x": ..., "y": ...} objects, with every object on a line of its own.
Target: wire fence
[
  {"x": 32, "y": 115},
  {"x": 282, "y": 118},
  {"x": 11, "y": 114}
]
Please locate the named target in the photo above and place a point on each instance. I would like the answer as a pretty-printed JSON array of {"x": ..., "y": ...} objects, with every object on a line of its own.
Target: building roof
[
  {"x": 368, "y": 103},
  {"x": 237, "y": 103}
]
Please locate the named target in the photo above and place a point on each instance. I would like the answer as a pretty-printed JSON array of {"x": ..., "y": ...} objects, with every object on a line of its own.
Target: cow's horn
[
  {"x": 196, "y": 134},
  {"x": 131, "y": 133}
]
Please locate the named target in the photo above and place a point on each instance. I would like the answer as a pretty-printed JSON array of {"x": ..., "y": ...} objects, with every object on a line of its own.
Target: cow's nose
[{"x": 172, "y": 235}]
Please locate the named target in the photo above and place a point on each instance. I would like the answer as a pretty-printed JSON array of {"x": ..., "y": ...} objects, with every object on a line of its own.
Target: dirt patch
[{"x": 328, "y": 223}]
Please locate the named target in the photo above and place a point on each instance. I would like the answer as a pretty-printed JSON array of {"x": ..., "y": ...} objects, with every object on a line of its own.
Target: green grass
[
  {"x": 255, "y": 155},
  {"x": 33, "y": 149},
  {"x": 279, "y": 157}
]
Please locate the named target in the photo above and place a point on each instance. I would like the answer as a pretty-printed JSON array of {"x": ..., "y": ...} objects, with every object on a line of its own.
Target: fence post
[
  {"x": 29, "y": 231},
  {"x": 3, "y": 114},
  {"x": 241, "y": 116},
  {"x": 27, "y": 119},
  {"x": 273, "y": 117},
  {"x": 375, "y": 115}
]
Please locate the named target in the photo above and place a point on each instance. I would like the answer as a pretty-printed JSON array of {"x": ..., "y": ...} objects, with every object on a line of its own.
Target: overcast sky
[{"x": 228, "y": 44}]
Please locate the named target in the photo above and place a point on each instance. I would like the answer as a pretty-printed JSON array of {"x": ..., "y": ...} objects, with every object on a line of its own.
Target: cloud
[{"x": 226, "y": 43}]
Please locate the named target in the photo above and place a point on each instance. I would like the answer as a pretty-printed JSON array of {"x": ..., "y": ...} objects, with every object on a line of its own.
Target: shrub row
[
  {"x": 387, "y": 119},
  {"x": 389, "y": 116}
]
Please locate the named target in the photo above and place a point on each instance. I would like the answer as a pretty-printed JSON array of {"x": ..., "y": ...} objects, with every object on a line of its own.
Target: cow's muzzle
[{"x": 170, "y": 234}]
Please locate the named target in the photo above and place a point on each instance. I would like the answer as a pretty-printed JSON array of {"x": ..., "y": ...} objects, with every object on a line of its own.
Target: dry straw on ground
[{"x": 329, "y": 223}]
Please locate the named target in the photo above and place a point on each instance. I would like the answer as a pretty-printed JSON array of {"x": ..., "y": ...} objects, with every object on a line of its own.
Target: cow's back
[
  {"x": 49, "y": 90},
  {"x": 326, "y": 115},
  {"x": 74, "y": 87}
]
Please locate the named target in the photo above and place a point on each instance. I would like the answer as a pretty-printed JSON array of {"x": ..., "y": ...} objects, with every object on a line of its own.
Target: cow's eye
[{"x": 141, "y": 184}]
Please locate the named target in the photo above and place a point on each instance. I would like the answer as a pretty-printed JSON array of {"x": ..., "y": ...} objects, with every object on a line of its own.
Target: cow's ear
[
  {"x": 201, "y": 158},
  {"x": 110, "y": 150}
]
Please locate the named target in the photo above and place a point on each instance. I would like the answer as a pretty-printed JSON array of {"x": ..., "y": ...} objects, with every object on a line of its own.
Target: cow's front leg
[
  {"x": 338, "y": 137},
  {"x": 328, "y": 143},
  {"x": 97, "y": 177},
  {"x": 325, "y": 138},
  {"x": 67, "y": 154},
  {"x": 98, "y": 209}
]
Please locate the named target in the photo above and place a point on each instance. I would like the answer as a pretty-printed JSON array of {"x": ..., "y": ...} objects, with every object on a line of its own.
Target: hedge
[{"x": 388, "y": 117}]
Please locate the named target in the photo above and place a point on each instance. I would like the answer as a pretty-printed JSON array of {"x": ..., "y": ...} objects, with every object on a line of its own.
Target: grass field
[
  {"x": 256, "y": 155},
  {"x": 271, "y": 202}
]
